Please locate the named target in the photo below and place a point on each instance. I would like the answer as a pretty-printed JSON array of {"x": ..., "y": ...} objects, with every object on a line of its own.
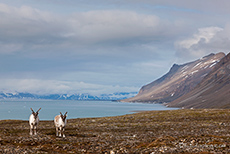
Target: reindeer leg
[
  {"x": 35, "y": 130},
  {"x": 56, "y": 131},
  {"x": 60, "y": 131},
  {"x": 63, "y": 130},
  {"x": 31, "y": 129}
]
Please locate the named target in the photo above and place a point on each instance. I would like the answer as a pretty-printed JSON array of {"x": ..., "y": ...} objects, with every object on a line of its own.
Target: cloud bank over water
[{"x": 43, "y": 87}]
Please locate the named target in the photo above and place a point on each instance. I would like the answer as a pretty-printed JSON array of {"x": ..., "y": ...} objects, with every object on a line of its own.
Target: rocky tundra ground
[{"x": 175, "y": 131}]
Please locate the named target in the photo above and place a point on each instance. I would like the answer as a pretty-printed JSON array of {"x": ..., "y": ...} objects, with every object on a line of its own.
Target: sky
[{"x": 104, "y": 46}]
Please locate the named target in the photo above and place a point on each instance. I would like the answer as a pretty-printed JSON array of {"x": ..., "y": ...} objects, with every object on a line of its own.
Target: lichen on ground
[{"x": 173, "y": 131}]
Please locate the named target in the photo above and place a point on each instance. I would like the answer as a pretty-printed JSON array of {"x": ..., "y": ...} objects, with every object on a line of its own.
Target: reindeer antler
[
  {"x": 61, "y": 114},
  {"x": 32, "y": 110},
  {"x": 65, "y": 113},
  {"x": 39, "y": 110}
]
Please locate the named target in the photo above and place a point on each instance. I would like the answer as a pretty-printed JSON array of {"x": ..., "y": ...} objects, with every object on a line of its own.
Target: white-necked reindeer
[
  {"x": 60, "y": 122},
  {"x": 33, "y": 121}
]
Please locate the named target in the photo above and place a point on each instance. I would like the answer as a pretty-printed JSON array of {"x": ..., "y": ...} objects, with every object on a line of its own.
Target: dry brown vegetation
[{"x": 175, "y": 131}]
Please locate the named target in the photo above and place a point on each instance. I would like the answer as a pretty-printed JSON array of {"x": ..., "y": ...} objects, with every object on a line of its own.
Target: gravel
[{"x": 152, "y": 132}]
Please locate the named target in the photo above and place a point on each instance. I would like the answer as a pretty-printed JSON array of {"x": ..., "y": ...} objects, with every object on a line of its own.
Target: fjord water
[{"x": 20, "y": 110}]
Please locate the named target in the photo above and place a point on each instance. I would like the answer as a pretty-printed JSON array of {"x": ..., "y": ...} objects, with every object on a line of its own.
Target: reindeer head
[
  {"x": 35, "y": 113},
  {"x": 63, "y": 116}
]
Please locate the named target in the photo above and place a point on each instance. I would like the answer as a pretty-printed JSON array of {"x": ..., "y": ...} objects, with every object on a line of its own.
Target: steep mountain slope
[
  {"x": 178, "y": 81},
  {"x": 212, "y": 92}
]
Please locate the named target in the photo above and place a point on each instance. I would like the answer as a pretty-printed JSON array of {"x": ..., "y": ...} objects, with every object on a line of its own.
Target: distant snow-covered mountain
[{"x": 113, "y": 96}]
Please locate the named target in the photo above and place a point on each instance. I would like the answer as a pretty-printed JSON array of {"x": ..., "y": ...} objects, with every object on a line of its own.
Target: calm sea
[{"x": 76, "y": 109}]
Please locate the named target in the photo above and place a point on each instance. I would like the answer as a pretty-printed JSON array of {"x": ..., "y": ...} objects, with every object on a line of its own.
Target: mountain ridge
[
  {"x": 212, "y": 92},
  {"x": 178, "y": 81}
]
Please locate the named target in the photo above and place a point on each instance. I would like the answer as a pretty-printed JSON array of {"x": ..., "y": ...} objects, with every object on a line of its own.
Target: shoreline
[{"x": 20, "y": 110}]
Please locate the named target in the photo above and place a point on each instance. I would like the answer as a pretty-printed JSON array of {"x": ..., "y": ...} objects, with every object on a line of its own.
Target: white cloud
[
  {"x": 37, "y": 86},
  {"x": 28, "y": 29},
  {"x": 203, "y": 42},
  {"x": 204, "y": 34},
  {"x": 104, "y": 25}
]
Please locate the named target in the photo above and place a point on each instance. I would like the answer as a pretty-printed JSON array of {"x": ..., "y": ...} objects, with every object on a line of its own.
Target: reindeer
[
  {"x": 60, "y": 122},
  {"x": 33, "y": 121}
]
